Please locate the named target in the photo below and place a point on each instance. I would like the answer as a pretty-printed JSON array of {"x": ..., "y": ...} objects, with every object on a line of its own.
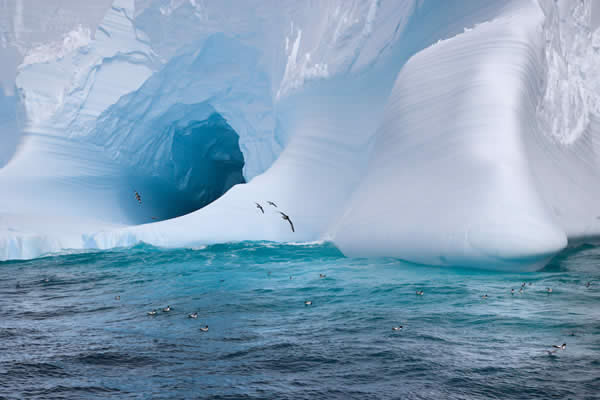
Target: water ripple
[{"x": 63, "y": 327}]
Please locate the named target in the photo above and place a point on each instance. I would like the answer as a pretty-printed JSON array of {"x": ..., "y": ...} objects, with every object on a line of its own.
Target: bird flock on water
[
  {"x": 397, "y": 328},
  {"x": 285, "y": 217}
]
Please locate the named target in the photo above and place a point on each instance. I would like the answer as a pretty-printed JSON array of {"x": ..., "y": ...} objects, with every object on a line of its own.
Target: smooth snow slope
[
  {"x": 466, "y": 103},
  {"x": 440, "y": 132}
]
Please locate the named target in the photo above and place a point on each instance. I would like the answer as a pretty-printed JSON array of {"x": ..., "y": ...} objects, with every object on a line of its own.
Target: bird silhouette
[
  {"x": 287, "y": 218},
  {"x": 260, "y": 207}
]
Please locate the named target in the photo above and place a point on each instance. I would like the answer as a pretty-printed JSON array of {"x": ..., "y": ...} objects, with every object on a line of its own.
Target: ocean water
[{"x": 64, "y": 335}]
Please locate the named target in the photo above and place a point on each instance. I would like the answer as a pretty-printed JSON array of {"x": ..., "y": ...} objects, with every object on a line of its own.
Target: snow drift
[{"x": 439, "y": 132}]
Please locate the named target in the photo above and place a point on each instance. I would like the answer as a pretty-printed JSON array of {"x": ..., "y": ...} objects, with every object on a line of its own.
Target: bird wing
[
  {"x": 291, "y": 224},
  {"x": 555, "y": 346}
]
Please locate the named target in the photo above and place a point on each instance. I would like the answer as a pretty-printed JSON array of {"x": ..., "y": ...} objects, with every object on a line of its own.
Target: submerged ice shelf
[{"x": 439, "y": 132}]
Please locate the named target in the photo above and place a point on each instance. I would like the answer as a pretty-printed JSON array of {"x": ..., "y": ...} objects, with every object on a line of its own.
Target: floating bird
[
  {"x": 549, "y": 290},
  {"x": 588, "y": 284},
  {"x": 272, "y": 204},
  {"x": 193, "y": 315},
  {"x": 205, "y": 329},
  {"x": 322, "y": 276},
  {"x": 524, "y": 283},
  {"x": 520, "y": 290},
  {"x": 308, "y": 303},
  {"x": 485, "y": 296},
  {"x": 153, "y": 312},
  {"x": 420, "y": 293},
  {"x": 260, "y": 207},
  {"x": 138, "y": 197},
  {"x": 167, "y": 309},
  {"x": 46, "y": 280},
  {"x": 530, "y": 283},
  {"x": 222, "y": 280},
  {"x": 397, "y": 328},
  {"x": 117, "y": 297},
  {"x": 512, "y": 291},
  {"x": 285, "y": 217}
]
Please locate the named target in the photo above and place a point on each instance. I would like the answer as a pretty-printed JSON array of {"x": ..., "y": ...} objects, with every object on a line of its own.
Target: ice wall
[
  {"x": 65, "y": 85},
  {"x": 449, "y": 165},
  {"x": 440, "y": 132},
  {"x": 9, "y": 130}
]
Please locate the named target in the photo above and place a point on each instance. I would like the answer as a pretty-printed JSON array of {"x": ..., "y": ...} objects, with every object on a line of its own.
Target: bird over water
[{"x": 287, "y": 218}]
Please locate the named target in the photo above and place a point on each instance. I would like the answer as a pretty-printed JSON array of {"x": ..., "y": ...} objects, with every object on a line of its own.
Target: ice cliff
[{"x": 461, "y": 132}]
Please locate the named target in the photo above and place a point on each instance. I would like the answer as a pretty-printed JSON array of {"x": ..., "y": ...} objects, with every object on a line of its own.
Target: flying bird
[
  {"x": 260, "y": 207},
  {"x": 420, "y": 293},
  {"x": 153, "y": 312},
  {"x": 272, "y": 204},
  {"x": 285, "y": 217},
  {"x": 138, "y": 197},
  {"x": 193, "y": 315},
  {"x": 557, "y": 348}
]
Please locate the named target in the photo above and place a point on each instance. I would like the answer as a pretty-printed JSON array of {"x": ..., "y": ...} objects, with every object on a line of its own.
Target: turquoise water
[{"x": 64, "y": 335}]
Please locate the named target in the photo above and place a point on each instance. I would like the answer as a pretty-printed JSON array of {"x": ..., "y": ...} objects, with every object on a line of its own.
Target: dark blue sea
[{"x": 65, "y": 335}]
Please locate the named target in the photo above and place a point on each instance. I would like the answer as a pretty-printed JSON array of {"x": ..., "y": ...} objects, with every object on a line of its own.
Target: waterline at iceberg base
[{"x": 438, "y": 132}]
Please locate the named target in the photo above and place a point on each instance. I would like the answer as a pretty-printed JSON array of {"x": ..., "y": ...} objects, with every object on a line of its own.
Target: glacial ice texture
[{"x": 460, "y": 132}]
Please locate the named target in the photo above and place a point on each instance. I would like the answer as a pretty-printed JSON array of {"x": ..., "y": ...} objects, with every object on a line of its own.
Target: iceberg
[{"x": 439, "y": 132}]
